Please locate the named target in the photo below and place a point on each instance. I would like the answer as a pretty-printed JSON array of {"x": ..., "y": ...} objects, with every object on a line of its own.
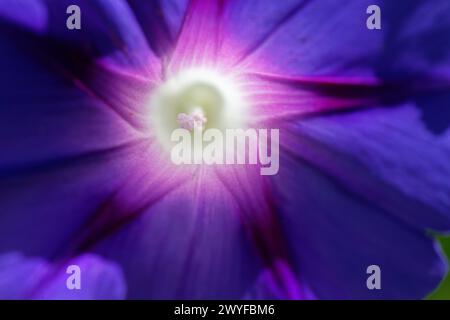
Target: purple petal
[
  {"x": 99, "y": 280},
  {"x": 68, "y": 142},
  {"x": 274, "y": 97},
  {"x": 268, "y": 286},
  {"x": 334, "y": 236},
  {"x": 240, "y": 37},
  {"x": 29, "y": 14},
  {"x": 331, "y": 39},
  {"x": 385, "y": 156},
  {"x": 167, "y": 251},
  {"x": 109, "y": 31},
  {"x": 415, "y": 43},
  {"x": 37, "y": 279},
  {"x": 38, "y": 107},
  {"x": 45, "y": 204},
  {"x": 18, "y": 275},
  {"x": 199, "y": 39},
  {"x": 160, "y": 21}
]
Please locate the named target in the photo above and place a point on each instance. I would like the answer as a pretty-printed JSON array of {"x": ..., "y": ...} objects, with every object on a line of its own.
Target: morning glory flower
[{"x": 86, "y": 178}]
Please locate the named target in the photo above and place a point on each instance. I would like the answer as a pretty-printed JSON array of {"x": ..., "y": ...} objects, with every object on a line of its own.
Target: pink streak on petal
[
  {"x": 200, "y": 37},
  {"x": 276, "y": 97},
  {"x": 258, "y": 215}
]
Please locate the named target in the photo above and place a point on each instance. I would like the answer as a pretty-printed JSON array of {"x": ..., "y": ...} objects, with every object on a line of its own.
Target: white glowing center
[{"x": 196, "y": 99}]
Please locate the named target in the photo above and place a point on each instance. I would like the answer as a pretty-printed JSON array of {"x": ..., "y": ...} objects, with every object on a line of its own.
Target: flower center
[
  {"x": 196, "y": 120},
  {"x": 195, "y": 99}
]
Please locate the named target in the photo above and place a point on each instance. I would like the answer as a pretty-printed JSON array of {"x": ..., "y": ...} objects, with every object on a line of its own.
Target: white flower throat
[{"x": 200, "y": 118}]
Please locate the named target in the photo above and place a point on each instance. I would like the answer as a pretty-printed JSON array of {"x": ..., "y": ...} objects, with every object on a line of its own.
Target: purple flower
[{"x": 85, "y": 179}]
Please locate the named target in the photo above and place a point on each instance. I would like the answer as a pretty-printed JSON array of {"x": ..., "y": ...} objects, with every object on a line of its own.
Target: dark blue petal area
[
  {"x": 416, "y": 39},
  {"x": 160, "y": 21},
  {"x": 44, "y": 116},
  {"x": 435, "y": 111},
  {"x": 47, "y": 112},
  {"x": 386, "y": 156},
  {"x": 331, "y": 38},
  {"x": 334, "y": 236},
  {"x": 44, "y": 205},
  {"x": 320, "y": 38},
  {"x": 109, "y": 30},
  {"x": 190, "y": 244},
  {"x": 248, "y": 24},
  {"x": 62, "y": 150}
]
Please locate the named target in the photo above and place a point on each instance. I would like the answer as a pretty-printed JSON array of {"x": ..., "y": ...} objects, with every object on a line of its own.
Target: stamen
[{"x": 196, "y": 120}]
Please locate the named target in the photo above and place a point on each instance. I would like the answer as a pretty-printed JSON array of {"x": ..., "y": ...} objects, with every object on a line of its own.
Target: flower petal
[
  {"x": 334, "y": 236},
  {"x": 274, "y": 97},
  {"x": 34, "y": 278},
  {"x": 239, "y": 37},
  {"x": 108, "y": 31},
  {"x": 18, "y": 275},
  {"x": 386, "y": 156},
  {"x": 331, "y": 39},
  {"x": 67, "y": 144},
  {"x": 99, "y": 280},
  {"x": 198, "y": 44},
  {"x": 203, "y": 250},
  {"x": 44, "y": 205},
  {"x": 160, "y": 21},
  {"x": 415, "y": 44},
  {"x": 31, "y": 15}
]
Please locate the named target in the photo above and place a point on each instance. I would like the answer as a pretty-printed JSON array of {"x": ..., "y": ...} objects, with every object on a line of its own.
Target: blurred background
[{"x": 443, "y": 292}]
